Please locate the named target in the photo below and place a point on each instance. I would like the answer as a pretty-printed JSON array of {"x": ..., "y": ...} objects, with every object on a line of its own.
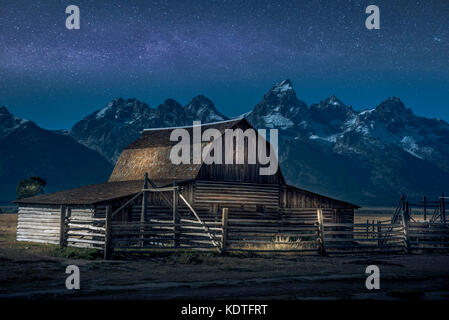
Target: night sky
[{"x": 230, "y": 51}]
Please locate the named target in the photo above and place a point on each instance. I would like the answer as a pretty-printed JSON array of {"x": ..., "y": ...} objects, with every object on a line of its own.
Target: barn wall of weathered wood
[
  {"x": 38, "y": 223},
  {"x": 42, "y": 223},
  {"x": 212, "y": 196},
  {"x": 292, "y": 197},
  {"x": 82, "y": 227},
  {"x": 238, "y": 172}
]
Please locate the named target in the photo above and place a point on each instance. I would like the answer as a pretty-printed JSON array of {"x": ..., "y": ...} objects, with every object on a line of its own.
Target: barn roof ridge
[{"x": 198, "y": 125}]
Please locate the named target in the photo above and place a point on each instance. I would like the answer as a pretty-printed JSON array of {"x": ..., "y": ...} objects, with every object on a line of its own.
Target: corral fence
[
  {"x": 82, "y": 231},
  {"x": 177, "y": 225},
  {"x": 306, "y": 232},
  {"x": 428, "y": 236}
]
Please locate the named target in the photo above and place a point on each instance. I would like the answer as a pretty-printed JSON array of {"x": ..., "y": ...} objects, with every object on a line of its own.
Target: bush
[{"x": 30, "y": 187}]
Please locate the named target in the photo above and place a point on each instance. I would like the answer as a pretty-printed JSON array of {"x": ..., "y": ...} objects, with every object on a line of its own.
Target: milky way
[{"x": 231, "y": 51}]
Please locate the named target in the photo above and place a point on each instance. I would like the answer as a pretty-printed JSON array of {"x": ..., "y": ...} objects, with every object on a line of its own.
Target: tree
[{"x": 32, "y": 186}]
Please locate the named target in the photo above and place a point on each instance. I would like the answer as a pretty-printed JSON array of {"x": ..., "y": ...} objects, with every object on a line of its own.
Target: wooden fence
[
  {"x": 427, "y": 236},
  {"x": 164, "y": 234},
  {"x": 82, "y": 231},
  {"x": 341, "y": 238},
  {"x": 308, "y": 231}
]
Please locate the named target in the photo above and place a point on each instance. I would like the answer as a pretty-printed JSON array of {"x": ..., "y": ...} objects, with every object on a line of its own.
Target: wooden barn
[{"x": 151, "y": 202}]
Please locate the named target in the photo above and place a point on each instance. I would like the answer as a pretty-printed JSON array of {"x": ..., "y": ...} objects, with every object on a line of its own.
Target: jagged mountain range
[
  {"x": 121, "y": 121},
  {"x": 28, "y": 150},
  {"x": 368, "y": 157}
]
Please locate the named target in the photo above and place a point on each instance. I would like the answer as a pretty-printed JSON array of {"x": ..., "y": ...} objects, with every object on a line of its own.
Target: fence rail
[
  {"x": 83, "y": 233},
  {"x": 428, "y": 236},
  {"x": 363, "y": 237},
  {"x": 157, "y": 233},
  {"x": 255, "y": 233}
]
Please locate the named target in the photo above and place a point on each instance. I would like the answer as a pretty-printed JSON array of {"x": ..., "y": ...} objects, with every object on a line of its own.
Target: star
[{"x": 159, "y": 49}]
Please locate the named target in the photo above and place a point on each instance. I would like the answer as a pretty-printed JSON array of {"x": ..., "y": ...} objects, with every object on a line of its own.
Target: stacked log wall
[{"x": 39, "y": 223}]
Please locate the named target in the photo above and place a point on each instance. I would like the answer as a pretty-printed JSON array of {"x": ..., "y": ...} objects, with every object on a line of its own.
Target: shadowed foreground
[{"x": 38, "y": 272}]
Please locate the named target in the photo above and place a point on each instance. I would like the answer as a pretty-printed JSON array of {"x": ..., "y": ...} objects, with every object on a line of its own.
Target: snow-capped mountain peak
[
  {"x": 203, "y": 109},
  {"x": 282, "y": 87},
  {"x": 9, "y": 123},
  {"x": 123, "y": 110},
  {"x": 113, "y": 127},
  {"x": 280, "y": 109}
]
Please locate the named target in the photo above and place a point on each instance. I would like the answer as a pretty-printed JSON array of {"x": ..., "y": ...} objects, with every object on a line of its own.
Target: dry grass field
[
  {"x": 379, "y": 214},
  {"x": 36, "y": 271}
]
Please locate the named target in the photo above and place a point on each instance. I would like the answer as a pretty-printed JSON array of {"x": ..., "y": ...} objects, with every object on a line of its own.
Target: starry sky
[{"x": 231, "y": 51}]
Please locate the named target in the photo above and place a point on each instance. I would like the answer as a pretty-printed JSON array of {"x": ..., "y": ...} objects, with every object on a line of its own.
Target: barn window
[{"x": 213, "y": 207}]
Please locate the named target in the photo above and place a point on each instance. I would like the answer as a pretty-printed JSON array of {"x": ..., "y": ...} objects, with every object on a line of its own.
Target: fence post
[
  {"x": 443, "y": 209},
  {"x": 108, "y": 235},
  {"x": 176, "y": 219},
  {"x": 403, "y": 202},
  {"x": 62, "y": 227},
  {"x": 143, "y": 212},
  {"x": 367, "y": 228},
  {"x": 425, "y": 208},
  {"x": 379, "y": 233},
  {"x": 405, "y": 226},
  {"x": 319, "y": 213},
  {"x": 224, "y": 229},
  {"x": 407, "y": 212}
]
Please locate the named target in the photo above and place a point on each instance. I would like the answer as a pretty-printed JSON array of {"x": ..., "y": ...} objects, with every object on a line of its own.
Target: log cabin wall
[
  {"x": 39, "y": 223},
  {"x": 42, "y": 222},
  {"x": 212, "y": 196},
  {"x": 294, "y": 200},
  {"x": 81, "y": 223},
  {"x": 207, "y": 197},
  {"x": 238, "y": 173}
]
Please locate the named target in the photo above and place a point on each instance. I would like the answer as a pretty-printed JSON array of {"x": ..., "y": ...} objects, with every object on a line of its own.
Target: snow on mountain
[
  {"x": 363, "y": 156},
  {"x": 28, "y": 150},
  {"x": 203, "y": 109},
  {"x": 280, "y": 109},
  {"x": 113, "y": 127},
  {"x": 171, "y": 114},
  {"x": 276, "y": 120},
  {"x": 392, "y": 123},
  {"x": 8, "y": 122},
  {"x": 121, "y": 121},
  {"x": 282, "y": 87},
  {"x": 332, "y": 121},
  {"x": 387, "y": 147}
]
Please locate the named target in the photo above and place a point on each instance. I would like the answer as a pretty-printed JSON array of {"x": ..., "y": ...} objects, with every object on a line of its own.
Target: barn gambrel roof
[{"x": 150, "y": 153}]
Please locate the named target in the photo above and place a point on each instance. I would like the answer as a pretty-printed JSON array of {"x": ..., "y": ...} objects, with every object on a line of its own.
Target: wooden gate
[{"x": 175, "y": 225}]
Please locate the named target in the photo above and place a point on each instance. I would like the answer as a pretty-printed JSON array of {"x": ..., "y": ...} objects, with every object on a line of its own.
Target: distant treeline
[{"x": 8, "y": 208}]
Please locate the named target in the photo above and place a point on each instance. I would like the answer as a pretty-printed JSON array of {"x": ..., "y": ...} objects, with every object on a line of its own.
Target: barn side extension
[
  {"x": 149, "y": 203},
  {"x": 162, "y": 218}
]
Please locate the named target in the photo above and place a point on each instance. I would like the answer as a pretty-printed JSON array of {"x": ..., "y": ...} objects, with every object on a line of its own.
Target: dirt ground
[{"x": 34, "y": 271}]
